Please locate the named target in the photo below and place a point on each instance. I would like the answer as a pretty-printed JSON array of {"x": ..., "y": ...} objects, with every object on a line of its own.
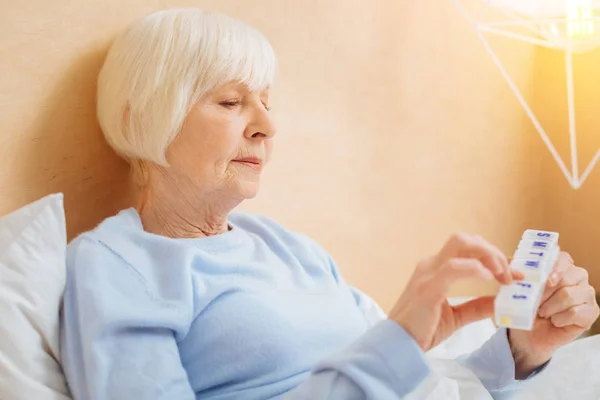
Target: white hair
[{"x": 162, "y": 65}]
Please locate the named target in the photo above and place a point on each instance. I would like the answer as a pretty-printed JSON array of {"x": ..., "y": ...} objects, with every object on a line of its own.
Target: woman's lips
[{"x": 251, "y": 162}]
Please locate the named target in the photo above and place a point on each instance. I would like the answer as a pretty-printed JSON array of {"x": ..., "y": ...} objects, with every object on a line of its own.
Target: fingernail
[{"x": 520, "y": 276}]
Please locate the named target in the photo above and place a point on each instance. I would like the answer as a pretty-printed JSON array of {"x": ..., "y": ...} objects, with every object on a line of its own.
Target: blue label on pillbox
[
  {"x": 540, "y": 244},
  {"x": 534, "y": 264},
  {"x": 523, "y": 284},
  {"x": 519, "y": 297}
]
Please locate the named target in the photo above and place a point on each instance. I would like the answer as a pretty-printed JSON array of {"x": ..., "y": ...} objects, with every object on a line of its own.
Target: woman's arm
[
  {"x": 385, "y": 363},
  {"x": 117, "y": 342},
  {"x": 492, "y": 363}
]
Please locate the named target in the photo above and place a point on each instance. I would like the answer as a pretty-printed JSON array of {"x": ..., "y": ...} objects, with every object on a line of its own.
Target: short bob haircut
[{"x": 161, "y": 66}]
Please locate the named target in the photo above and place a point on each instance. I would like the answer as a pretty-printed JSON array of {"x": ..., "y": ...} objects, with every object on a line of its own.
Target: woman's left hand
[{"x": 568, "y": 308}]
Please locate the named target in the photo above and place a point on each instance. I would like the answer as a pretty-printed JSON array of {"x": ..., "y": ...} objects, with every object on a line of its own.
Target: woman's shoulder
[
  {"x": 107, "y": 283},
  {"x": 118, "y": 253},
  {"x": 271, "y": 231},
  {"x": 262, "y": 225},
  {"x": 103, "y": 245},
  {"x": 126, "y": 220},
  {"x": 254, "y": 222},
  {"x": 276, "y": 236},
  {"x": 110, "y": 239}
]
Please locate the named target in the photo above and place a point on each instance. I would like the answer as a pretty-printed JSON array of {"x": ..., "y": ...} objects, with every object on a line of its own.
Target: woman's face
[{"x": 225, "y": 142}]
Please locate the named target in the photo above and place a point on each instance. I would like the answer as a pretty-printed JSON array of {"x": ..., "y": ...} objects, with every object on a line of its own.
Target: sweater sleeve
[
  {"x": 494, "y": 365},
  {"x": 385, "y": 363}
]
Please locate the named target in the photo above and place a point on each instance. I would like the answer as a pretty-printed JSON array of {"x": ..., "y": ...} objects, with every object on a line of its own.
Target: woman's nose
[{"x": 262, "y": 126}]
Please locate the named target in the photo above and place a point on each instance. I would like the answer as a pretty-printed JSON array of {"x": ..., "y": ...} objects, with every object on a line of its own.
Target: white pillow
[{"x": 32, "y": 279}]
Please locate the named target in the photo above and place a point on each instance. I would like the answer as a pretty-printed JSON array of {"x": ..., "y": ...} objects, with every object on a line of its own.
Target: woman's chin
[{"x": 248, "y": 190}]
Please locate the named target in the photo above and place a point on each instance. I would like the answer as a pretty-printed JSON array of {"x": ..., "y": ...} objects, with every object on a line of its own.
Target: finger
[
  {"x": 582, "y": 316},
  {"x": 459, "y": 268},
  {"x": 468, "y": 246},
  {"x": 474, "y": 310},
  {"x": 565, "y": 298},
  {"x": 497, "y": 259},
  {"x": 516, "y": 274},
  {"x": 563, "y": 263},
  {"x": 573, "y": 277}
]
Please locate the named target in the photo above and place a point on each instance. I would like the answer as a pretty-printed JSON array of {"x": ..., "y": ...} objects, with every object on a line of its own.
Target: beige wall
[
  {"x": 574, "y": 213},
  {"x": 395, "y": 129}
]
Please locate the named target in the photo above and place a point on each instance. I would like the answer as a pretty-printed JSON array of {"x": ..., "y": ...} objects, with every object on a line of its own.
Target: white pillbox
[
  {"x": 530, "y": 253},
  {"x": 536, "y": 268},
  {"x": 536, "y": 244},
  {"x": 516, "y": 305},
  {"x": 531, "y": 234}
]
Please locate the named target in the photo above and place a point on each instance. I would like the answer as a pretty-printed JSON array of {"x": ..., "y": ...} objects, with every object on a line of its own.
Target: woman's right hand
[{"x": 423, "y": 310}]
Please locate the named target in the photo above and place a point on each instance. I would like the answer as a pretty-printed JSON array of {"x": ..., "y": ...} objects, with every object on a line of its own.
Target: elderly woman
[{"x": 178, "y": 298}]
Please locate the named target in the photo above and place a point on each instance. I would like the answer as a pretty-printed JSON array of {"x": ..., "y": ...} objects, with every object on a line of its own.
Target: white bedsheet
[
  {"x": 450, "y": 381},
  {"x": 574, "y": 373}
]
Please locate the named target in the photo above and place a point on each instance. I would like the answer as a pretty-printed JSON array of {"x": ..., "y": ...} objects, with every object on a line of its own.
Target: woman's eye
[{"x": 230, "y": 103}]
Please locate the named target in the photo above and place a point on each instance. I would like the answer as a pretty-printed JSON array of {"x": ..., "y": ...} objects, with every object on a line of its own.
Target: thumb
[{"x": 472, "y": 311}]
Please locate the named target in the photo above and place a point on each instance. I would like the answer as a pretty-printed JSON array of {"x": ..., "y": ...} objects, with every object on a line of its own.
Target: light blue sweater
[{"x": 258, "y": 312}]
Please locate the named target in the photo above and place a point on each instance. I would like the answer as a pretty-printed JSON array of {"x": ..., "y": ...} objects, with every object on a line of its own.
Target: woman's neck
[{"x": 176, "y": 214}]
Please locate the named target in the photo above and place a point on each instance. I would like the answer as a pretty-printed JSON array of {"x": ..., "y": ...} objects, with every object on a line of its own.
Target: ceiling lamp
[{"x": 572, "y": 26}]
